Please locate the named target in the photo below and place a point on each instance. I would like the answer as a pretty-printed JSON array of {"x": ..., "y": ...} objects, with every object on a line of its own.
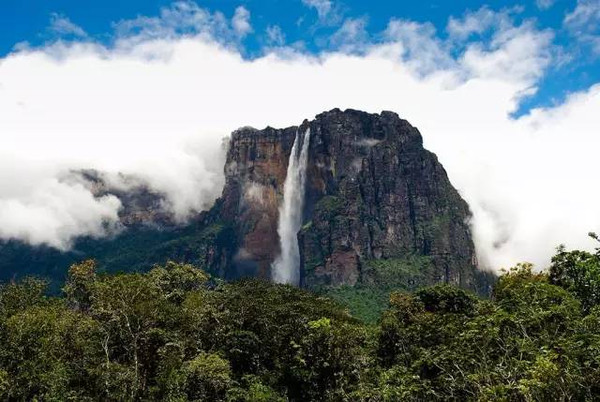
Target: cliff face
[
  {"x": 255, "y": 171},
  {"x": 379, "y": 212},
  {"x": 373, "y": 193}
]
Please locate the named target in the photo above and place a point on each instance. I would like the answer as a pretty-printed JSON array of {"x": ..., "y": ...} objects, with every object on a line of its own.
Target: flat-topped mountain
[
  {"x": 366, "y": 203},
  {"x": 372, "y": 192}
]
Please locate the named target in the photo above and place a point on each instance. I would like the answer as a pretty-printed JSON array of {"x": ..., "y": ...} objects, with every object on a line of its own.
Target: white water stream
[{"x": 286, "y": 268}]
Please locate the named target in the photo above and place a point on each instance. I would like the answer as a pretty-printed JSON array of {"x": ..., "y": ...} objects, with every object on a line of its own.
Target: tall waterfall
[{"x": 286, "y": 268}]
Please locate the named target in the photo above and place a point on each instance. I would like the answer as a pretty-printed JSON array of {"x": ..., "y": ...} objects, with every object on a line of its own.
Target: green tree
[
  {"x": 207, "y": 378},
  {"x": 579, "y": 273},
  {"x": 176, "y": 280},
  {"x": 129, "y": 308},
  {"x": 18, "y": 296},
  {"x": 80, "y": 283},
  {"x": 327, "y": 361},
  {"x": 50, "y": 352}
]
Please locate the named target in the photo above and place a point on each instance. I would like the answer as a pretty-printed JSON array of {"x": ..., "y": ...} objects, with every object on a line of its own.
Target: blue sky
[{"x": 575, "y": 65}]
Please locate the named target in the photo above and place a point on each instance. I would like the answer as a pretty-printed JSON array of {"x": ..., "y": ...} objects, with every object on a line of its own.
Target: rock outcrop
[
  {"x": 255, "y": 172},
  {"x": 379, "y": 211},
  {"x": 140, "y": 205},
  {"x": 373, "y": 192}
]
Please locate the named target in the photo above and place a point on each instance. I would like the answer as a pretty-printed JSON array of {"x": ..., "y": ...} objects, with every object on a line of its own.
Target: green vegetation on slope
[
  {"x": 369, "y": 298},
  {"x": 175, "y": 334},
  {"x": 136, "y": 249}
]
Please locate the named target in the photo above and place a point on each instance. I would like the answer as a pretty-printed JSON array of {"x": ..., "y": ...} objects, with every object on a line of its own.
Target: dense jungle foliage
[{"x": 175, "y": 334}]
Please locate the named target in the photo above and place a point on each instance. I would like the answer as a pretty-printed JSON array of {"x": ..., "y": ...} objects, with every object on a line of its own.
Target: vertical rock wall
[{"x": 373, "y": 192}]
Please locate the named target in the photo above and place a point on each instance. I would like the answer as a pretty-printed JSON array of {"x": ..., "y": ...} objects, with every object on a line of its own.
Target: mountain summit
[
  {"x": 372, "y": 192},
  {"x": 366, "y": 204}
]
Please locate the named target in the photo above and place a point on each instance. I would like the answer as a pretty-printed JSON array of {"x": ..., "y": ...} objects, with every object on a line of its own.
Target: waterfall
[{"x": 286, "y": 268}]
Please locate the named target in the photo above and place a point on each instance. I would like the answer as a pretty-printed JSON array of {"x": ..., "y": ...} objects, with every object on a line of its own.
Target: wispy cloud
[
  {"x": 329, "y": 13},
  {"x": 585, "y": 16},
  {"x": 351, "y": 36},
  {"x": 478, "y": 22},
  {"x": 62, "y": 26},
  {"x": 185, "y": 18},
  {"x": 584, "y": 23},
  {"x": 323, "y": 7},
  {"x": 241, "y": 22},
  {"x": 420, "y": 46},
  {"x": 275, "y": 35},
  {"x": 544, "y": 4}
]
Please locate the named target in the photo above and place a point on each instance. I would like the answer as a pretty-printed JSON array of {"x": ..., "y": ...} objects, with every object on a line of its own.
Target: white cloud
[
  {"x": 184, "y": 18},
  {"x": 584, "y": 23},
  {"x": 513, "y": 52},
  {"x": 530, "y": 181},
  {"x": 351, "y": 36},
  {"x": 113, "y": 112},
  {"x": 420, "y": 46},
  {"x": 544, "y": 4},
  {"x": 323, "y": 7},
  {"x": 62, "y": 26},
  {"x": 586, "y": 15},
  {"x": 241, "y": 22},
  {"x": 479, "y": 22},
  {"x": 275, "y": 35},
  {"x": 55, "y": 212}
]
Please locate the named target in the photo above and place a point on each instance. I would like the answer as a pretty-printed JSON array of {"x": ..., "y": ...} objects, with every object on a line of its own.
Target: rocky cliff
[
  {"x": 140, "y": 205},
  {"x": 373, "y": 193},
  {"x": 379, "y": 213}
]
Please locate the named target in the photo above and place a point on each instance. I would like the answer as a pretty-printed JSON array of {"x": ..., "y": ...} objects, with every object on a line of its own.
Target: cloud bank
[{"x": 157, "y": 102}]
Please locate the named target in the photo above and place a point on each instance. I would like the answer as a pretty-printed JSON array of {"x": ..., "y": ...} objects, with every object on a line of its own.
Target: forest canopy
[{"x": 176, "y": 334}]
